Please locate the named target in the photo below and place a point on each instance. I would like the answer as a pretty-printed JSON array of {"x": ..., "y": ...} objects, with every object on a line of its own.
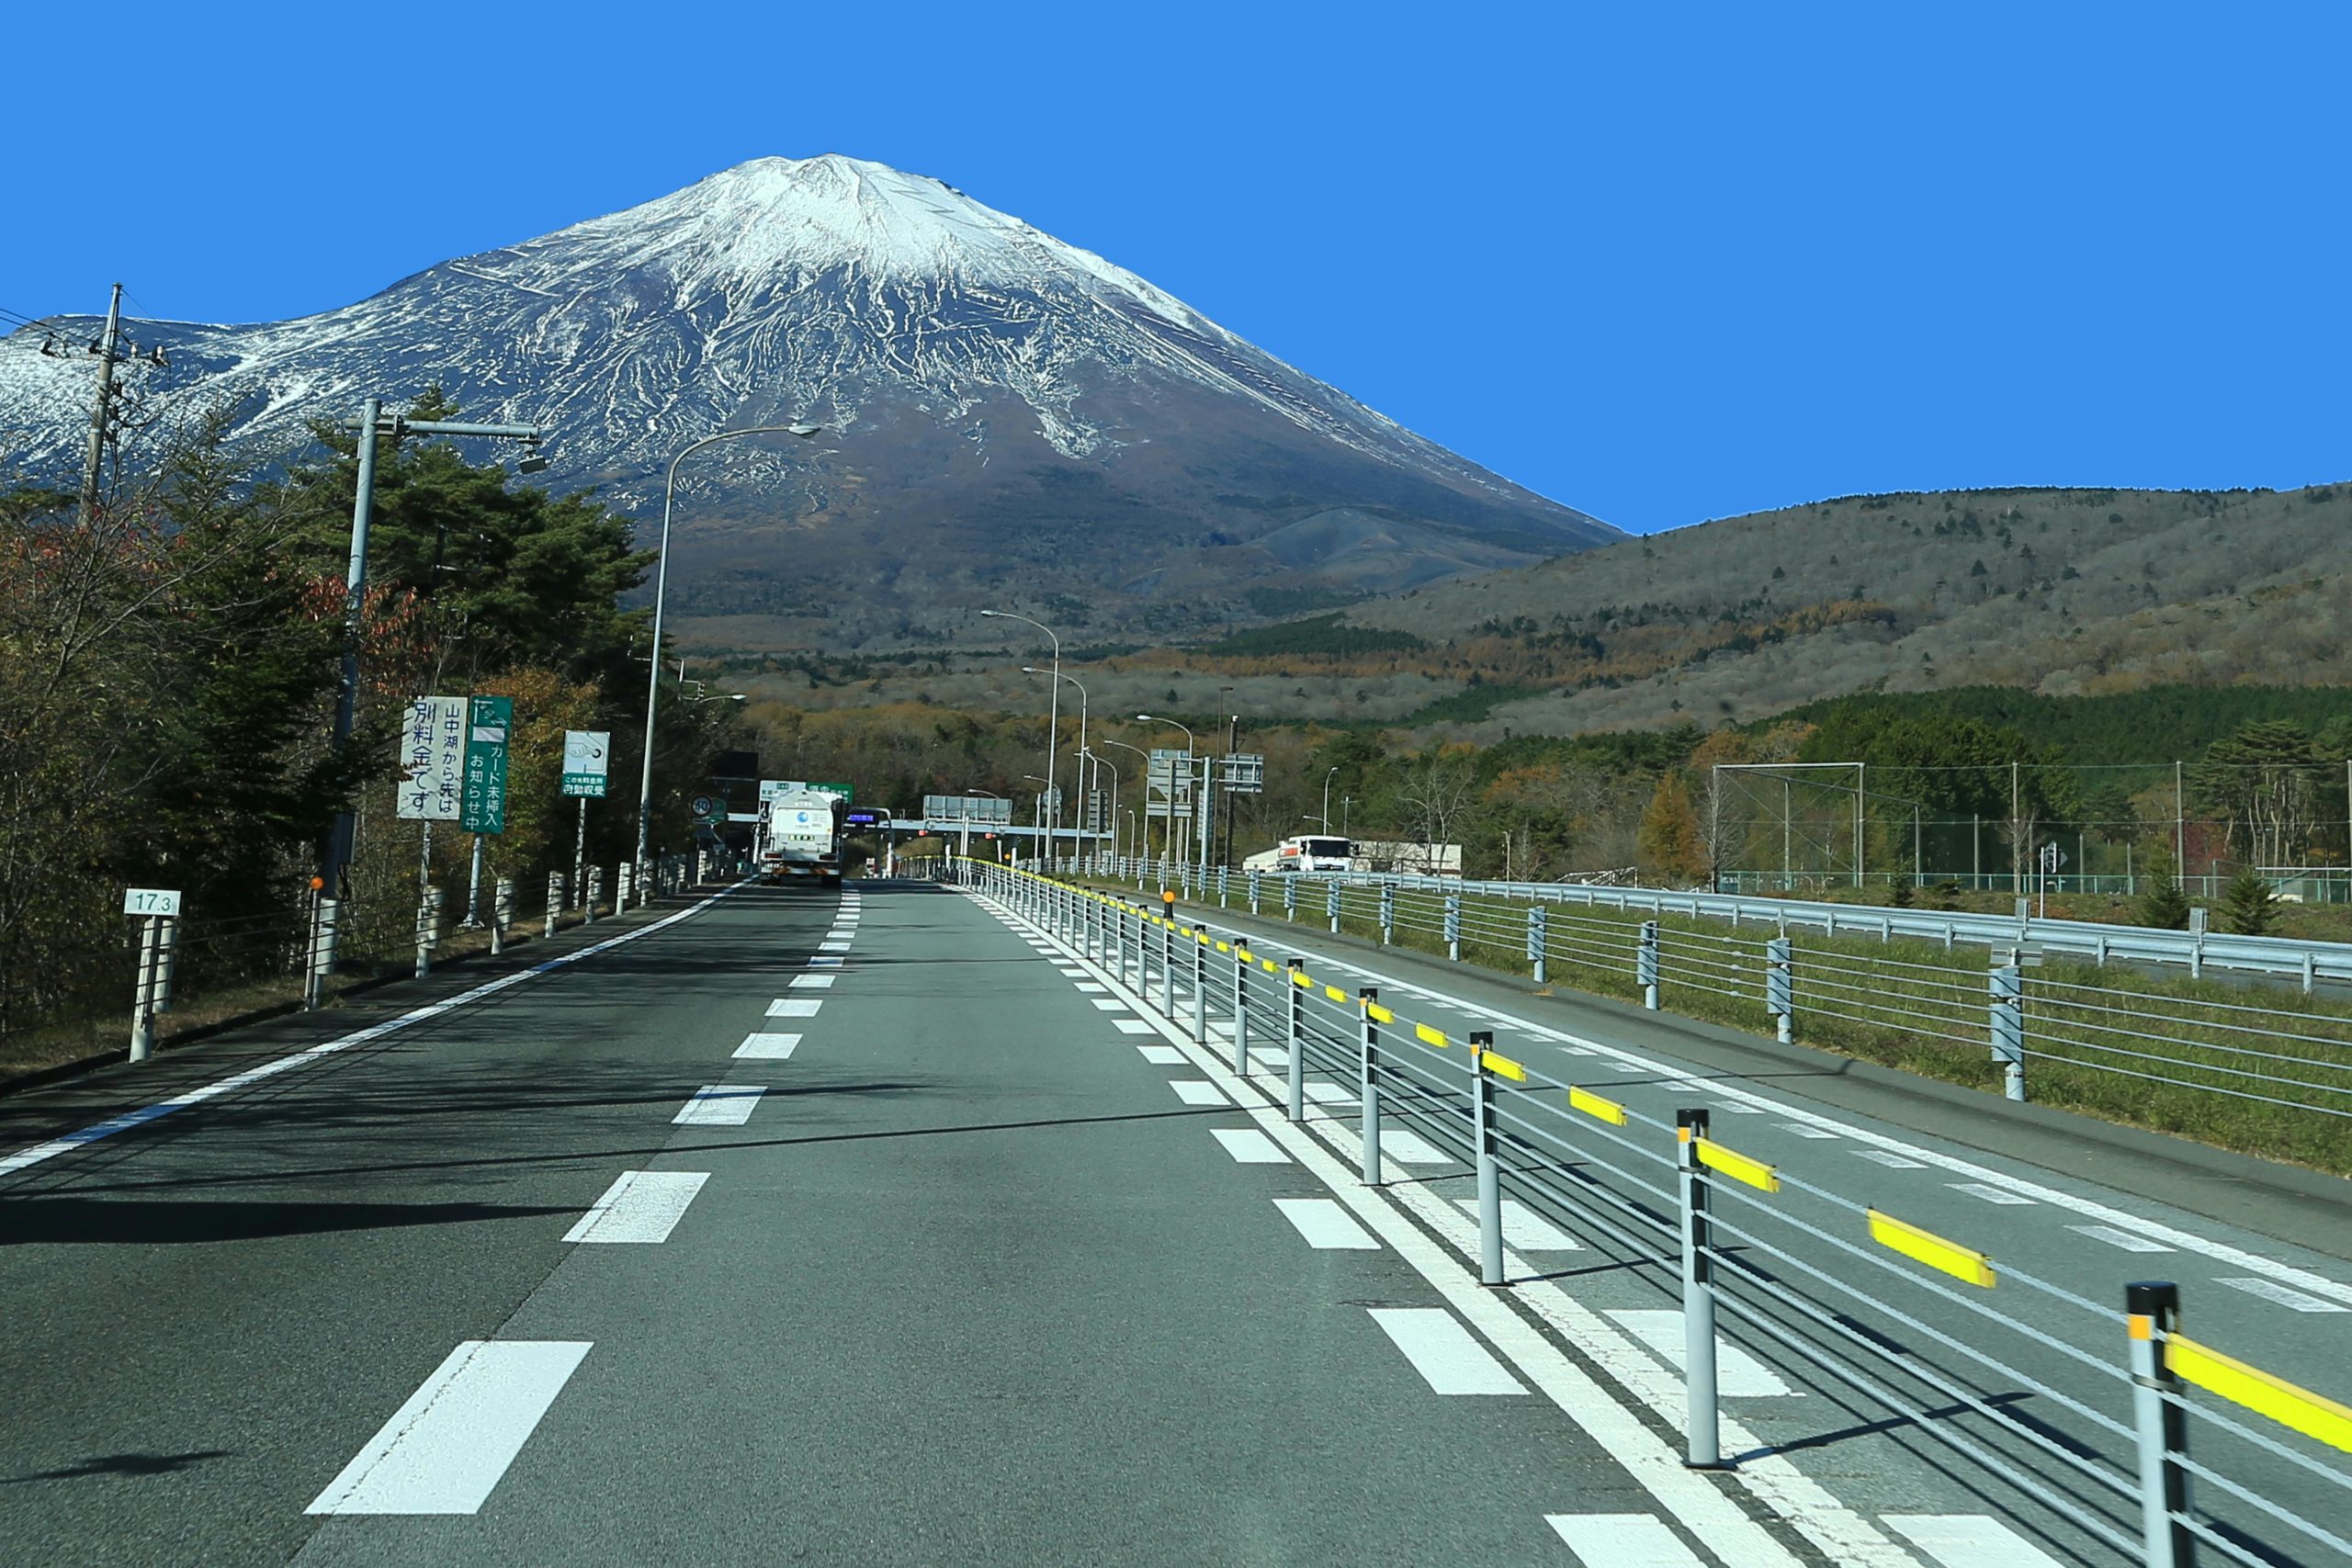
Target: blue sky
[{"x": 1662, "y": 263}]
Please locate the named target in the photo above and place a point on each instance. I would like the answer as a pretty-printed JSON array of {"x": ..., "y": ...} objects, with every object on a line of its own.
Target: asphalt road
[{"x": 794, "y": 1228}]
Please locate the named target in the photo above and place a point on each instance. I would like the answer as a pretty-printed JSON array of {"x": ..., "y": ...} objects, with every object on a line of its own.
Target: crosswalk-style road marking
[
  {"x": 1889, "y": 1158},
  {"x": 1990, "y": 1194},
  {"x": 1109, "y": 1004},
  {"x": 2270, "y": 1292},
  {"x": 720, "y": 1105},
  {"x": 1323, "y": 1091},
  {"x": 813, "y": 982},
  {"x": 445, "y": 1450},
  {"x": 1737, "y": 1374},
  {"x": 1443, "y": 1351},
  {"x": 1162, "y": 1055},
  {"x": 2122, "y": 1238},
  {"x": 1410, "y": 1148},
  {"x": 824, "y": 961},
  {"x": 795, "y": 1007},
  {"x": 768, "y": 1047},
  {"x": 1134, "y": 1026},
  {"x": 1249, "y": 1147},
  {"x": 1621, "y": 1541},
  {"x": 1969, "y": 1540},
  {"x": 641, "y": 1206},
  {"x": 832, "y": 944},
  {"x": 1091, "y": 987},
  {"x": 1197, "y": 1091},
  {"x": 1324, "y": 1225},
  {"x": 1806, "y": 1129},
  {"x": 1524, "y": 1229}
]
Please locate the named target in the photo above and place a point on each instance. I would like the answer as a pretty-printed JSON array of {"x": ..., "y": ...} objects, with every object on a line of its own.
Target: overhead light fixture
[{"x": 534, "y": 462}]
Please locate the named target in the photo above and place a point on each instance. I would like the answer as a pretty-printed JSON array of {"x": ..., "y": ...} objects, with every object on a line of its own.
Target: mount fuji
[{"x": 1007, "y": 419}]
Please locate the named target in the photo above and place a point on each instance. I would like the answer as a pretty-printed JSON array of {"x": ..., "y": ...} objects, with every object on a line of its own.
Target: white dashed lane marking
[
  {"x": 1969, "y": 1540},
  {"x": 1134, "y": 1026},
  {"x": 1621, "y": 1541},
  {"x": 1450, "y": 1360},
  {"x": 764, "y": 1047},
  {"x": 1738, "y": 1374},
  {"x": 720, "y": 1105},
  {"x": 445, "y": 1450},
  {"x": 1324, "y": 1225},
  {"x": 1194, "y": 1091},
  {"x": 813, "y": 982},
  {"x": 2000, "y": 1195},
  {"x": 795, "y": 1007},
  {"x": 641, "y": 1206},
  {"x": 1249, "y": 1147},
  {"x": 2124, "y": 1239},
  {"x": 1525, "y": 1230},
  {"x": 1108, "y": 1004},
  {"x": 1889, "y": 1158},
  {"x": 2270, "y": 1291}
]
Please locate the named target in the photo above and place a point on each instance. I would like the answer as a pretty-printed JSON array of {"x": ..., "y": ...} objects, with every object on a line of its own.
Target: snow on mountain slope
[{"x": 962, "y": 359}]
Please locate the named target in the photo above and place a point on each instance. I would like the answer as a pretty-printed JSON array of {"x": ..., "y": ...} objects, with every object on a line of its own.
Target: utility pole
[{"x": 102, "y": 411}]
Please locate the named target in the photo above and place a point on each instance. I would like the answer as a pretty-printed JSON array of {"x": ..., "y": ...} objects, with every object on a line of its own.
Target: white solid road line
[
  {"x": 1737, "y": 1371},
  {"x": 813, "y": 982},
  {"x": 1446, "y": 1354},
  {"x": 1162, "y": 1055},
  {"x": 1621, "y": 1541},
  {"x": 1134, "y": 1026},
  {"x": 641, "y": 1206},
  {"x": 795, "y": 1007},
  {"x": 2271, "y": 1290},
  {"x": 444, "y": 1450},
  {"x": 1969, "y": 1540},
  {"x": 1324, "y": 1225},
  {"x": 1192, "y": 1091},
  {"x": 1249, "y": 1147},
  {"x": 768, "y": 1047},
  {"x": 720, "y": 1105},
  {"x": 2124, "y": 1239},
  {"x": 38, "y": 1152},
  {"x": 1524, "y": 1229}
]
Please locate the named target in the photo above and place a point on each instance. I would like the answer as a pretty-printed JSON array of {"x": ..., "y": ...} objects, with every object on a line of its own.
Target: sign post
[
  {"x": 432, "y": 764},
  {"x": 481, "y": 807},
  {"x": 587, "y": 758}
]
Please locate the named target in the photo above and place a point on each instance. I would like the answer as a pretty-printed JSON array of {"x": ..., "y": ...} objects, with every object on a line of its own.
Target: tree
[
  {"x": 2163, "y": 905},
  {"x": 2263, "y": 781},
  {"x": 1668, "y": 842},
  {"x": 1435, "y": 793},
  {"x": 2249, "y": 907}
]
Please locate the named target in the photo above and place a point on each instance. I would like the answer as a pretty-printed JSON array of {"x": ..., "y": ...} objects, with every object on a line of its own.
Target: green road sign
[
  {"x": 483, "y": 808},
  {"x": 845, "y": 791}
]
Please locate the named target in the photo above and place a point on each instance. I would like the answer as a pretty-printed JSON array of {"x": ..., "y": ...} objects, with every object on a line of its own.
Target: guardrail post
[
  {"x": 624, "y": 884},
  {"x": 1702, "y": 1445},
  {"x": 428, "y": 929},
  {"x": 1331, "y": 905},
  {"x": 1368, "y": 1040},
  {"x": 591, "y": 894},
  {"x": 501, "y": 912},
  {"x": 1538, "y": 946},
  {"x": 1490, "y": 1171},
  {"x": 2150, "y": 1309},
  {"x": 1294, "y": 1011},
  {"x": 1256, "y": 885},
  {"x": 1290, "y": 896},
  {"x": 1453, "y": 926},
  {"x": 1240, "y": 1011},
  {"x": 1780, "y": 988},
  {"x": 555, "y": 899},
  {"x": 143, "y": 993},
  {"x": 1224, "y": 879},
  {"x": 1645, "y": 965},
  {"x": 323, "y": 933},
  {"x": 2006, "y": 984},
  {"x": 1200, "y": 987},
  {"x": 1387, "y": 914}
]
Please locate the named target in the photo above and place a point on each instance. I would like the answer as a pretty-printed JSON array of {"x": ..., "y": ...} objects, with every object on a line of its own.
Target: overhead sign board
[
  {"x": 587, "y": 756},
  {"x": 483, "y": 806},
  {"x": 966, "y": 809},
  {"x": 432, "y": 759}
]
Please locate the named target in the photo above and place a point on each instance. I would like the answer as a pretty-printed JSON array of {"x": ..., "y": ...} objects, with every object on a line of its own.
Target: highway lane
[
  {"x": 2284, "y": 1307},
  {"x": 793, "y": 1230}
]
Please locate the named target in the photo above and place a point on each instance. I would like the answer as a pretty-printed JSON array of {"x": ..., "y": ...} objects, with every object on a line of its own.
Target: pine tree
[
  {"x": 2163, "y": 905},
  {"x": 2249, "y": 907},
  {"x": 1669, "y": 841}
]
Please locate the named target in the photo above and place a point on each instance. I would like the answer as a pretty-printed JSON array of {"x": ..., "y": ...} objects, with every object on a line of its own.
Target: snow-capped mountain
[{"x": 1004, "y": 414}]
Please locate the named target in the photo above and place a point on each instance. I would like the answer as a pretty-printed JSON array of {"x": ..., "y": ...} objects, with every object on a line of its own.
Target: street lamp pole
[
  {"x": 1101, "y": 761},
  {"x": 1058, "y": 676},
  {"x": 660, "y": 588},
  {"x": 1143, "y": 828},
  {"x": 1053, "y": 708},
  {"x": 1326, "y": 797}
]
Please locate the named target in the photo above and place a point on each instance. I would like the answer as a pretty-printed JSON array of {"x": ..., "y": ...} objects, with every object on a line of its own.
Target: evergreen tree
[
  {"x": 1668, "y": 842},
  {"x": 2163, "y": 905},
  {"x": 2249, "y": 907}
]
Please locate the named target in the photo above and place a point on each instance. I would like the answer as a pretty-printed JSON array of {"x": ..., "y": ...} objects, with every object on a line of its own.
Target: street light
[
  {"x": 1326, "y": 797},
  {"x": 1054, "y": 705},
  {"x": 1142, "y": 839},
  {"x": 661, "y": 588},
  {"x": 1058, "y": 676}
]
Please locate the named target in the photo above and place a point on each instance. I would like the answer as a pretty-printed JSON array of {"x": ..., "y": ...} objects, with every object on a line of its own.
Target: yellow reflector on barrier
[
  {"x": 1738, "y": 1167},
  {"x": 1223, "y": 947},
  {"x": 1379, "y": 1015},
  {"x": 1927, "y": 1247},
  {"x": 1502, "y": 1066},
  {"x": 2312, "y": 1414},
  {"x": 1336, "y": 994},
  {"x": 1270, "y": 965},
  {"x": 1298, "y": 978},
  {"x": 1592, "y": 1104},
  {"x": 1428, "y": 1036}
]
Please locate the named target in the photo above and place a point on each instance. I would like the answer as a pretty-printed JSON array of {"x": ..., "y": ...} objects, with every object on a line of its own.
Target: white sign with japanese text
[{"x": 432, "y": 759}]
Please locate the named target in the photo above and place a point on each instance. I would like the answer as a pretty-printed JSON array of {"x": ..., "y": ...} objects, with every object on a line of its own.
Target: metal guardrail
[
  {"x": 2305, "y": 962},
  {"x": 2151, "y": 1445}
]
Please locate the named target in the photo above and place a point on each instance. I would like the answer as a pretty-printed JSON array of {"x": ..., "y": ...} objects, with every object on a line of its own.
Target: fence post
[
  {"x": 1702, "y": 1448},
  {"x": 1490, "y": 1173},
  {"x": 624, "y": 885},
  {"x": 1200, "y": 987},
  {"x": 323, "y": 945},
  {"x": 1780, "y": 989},
  {"x": 1387, "y": 914},
  {"x": 1290, "y": 896},
  {"x": 2006, "y": 984},
  {"x": 2150, "y": 1309},
  {"x": 1224, "y": 879},
  {"x": 1294, "y": 1010},
  {"x": 501, "y": 912},
  {"x": 1331, "y": 904},
  {"x": 428, "y": 911},
  {"x": 1240, "y": 1011},
  {"x": 1257, "y": 884},
  {"x": 1369, "y": 1074},
  {"x": 1167, "y": 967},
  {"x": 1645, "y": 965},
  {"x": 1453, "y": 926},
  {"x": 1538, "y": 946},
  {"x": 589, "y": 892},
  {"x": 142, "y": 994},
  {"x": 555, "y": 899}
]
